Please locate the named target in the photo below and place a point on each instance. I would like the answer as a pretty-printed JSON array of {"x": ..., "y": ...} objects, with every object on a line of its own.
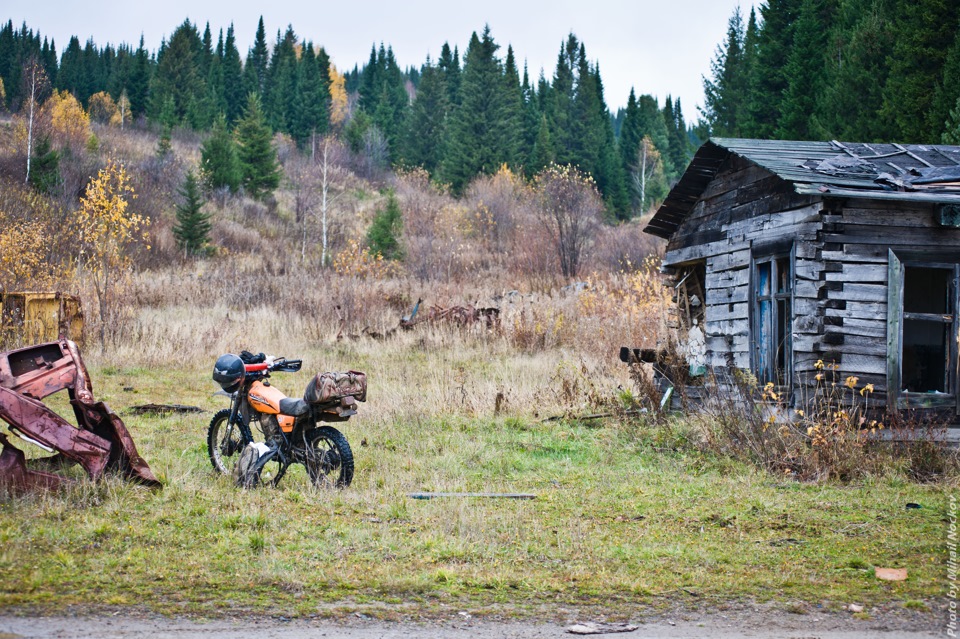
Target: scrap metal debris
[
  {"x": 489, "y": 495},
  {"x": 599, "y": 628},
  {"x": 101, "y": 443},
  {"x": 461, "y": 316},
  {"x": 160, "y": 409}
]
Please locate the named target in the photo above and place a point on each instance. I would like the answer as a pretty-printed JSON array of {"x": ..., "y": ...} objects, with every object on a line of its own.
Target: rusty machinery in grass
[{"x": 99, "y": 442}]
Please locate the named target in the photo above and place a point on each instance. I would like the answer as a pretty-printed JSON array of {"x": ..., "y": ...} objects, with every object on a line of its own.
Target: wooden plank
[
  {"x": 806, "y": 288},
  {"x": 728, "y": 295},
  {"x": 886, "y": 235},
  {"x": 894, "y": 304},
  {"x": 850, "y": 255},
  {"x": 860, "y": 293},
  {"x": 731, "y": 278},
  {"x": 729, "y": 327},
  {"x": 915, "y": 218},
  {"x": 807, "y": 269},
  {"x": 727, "y": 261},
  {"x": 863, "y": 273},
  {"x": 718, "y": 312},
  {"x": 868, "y": 329},
  {"x": 702, "y": 251}
]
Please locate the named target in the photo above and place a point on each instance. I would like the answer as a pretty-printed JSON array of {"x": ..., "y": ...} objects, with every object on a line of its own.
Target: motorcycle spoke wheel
[
  {"x": 328, "y": 459},
  {"x": 222, "y": 451}
]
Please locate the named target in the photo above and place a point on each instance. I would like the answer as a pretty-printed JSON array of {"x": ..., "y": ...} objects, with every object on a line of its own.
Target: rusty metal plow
[{"x": 101, "y": 443}]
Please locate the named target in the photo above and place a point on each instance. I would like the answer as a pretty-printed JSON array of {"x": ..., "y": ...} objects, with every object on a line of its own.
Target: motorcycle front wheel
[
  {"x": 328, "y": 458},
  {"x": 219, "y": 448}
]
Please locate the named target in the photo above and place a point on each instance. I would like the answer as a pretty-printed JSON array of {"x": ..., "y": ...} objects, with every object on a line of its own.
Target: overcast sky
[{"x": 658, "y": 47}]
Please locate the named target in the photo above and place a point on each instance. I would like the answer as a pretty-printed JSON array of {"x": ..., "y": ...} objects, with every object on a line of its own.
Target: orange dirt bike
[{"x": 292, "y": 434}]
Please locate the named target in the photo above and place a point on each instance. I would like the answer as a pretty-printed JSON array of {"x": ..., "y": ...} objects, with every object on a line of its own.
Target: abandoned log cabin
[{"x": 789, "y": 253}]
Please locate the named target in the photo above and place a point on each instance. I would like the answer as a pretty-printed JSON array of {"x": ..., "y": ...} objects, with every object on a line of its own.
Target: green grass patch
[{"x": 625, "y": 512}]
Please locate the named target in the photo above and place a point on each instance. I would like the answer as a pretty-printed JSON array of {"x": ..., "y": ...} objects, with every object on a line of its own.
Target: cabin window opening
[
  {"x": 773, "y": 318},
  {"x": 928, "y": 329},
  {"x": 691, "y": 295}
]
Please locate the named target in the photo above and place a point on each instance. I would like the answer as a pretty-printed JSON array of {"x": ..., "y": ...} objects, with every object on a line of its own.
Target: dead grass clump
[{"x": 836, "y": 436}]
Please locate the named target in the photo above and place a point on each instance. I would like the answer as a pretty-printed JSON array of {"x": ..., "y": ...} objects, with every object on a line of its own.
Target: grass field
[{"x": 627, "y": 511}]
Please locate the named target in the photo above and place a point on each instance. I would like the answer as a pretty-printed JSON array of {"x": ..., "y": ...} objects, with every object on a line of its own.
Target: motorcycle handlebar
[{"x": 280, "y": 364}]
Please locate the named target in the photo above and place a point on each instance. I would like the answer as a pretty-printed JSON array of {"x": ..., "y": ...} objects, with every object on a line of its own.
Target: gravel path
[{"x": 743, "y": 623}]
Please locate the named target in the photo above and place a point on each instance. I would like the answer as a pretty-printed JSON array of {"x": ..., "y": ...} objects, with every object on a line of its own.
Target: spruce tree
[
  {"x": 192, "y": 230},
  {"x": 474, "y": 142},
  {"x": 804, "y": 72},
  {"x": 383, "y": 236},
  {"x": 259, "y": 167},
  {"x": 45, "y": 166},
  {"x": 311, "y": 116},
  {"x": 233, "y": 92},
  {"x": 530, "y": 119},
  {"x": 925, "y": 33},
  {"x": 423, "y": 135},
  {"x": 725, "y": 92},
  {"x": 856, "y": 69},
  {"x": 511, "y": 127},
  {"x": 219, "y": 164},
  {"x": 767, "y": 85},
  {"x": 543, "y": 154},
  {"x": 948, "y": 88},
  {"x": 178, "y": 74},
  {"x": 280, "y": 90},
  {"x": 258, "y": 59}
]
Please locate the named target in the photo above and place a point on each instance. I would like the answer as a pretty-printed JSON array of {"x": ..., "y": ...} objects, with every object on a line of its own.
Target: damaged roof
[{"x": 915, "y": 172}]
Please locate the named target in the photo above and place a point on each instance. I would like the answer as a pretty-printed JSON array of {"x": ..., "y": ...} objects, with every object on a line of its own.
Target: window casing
[
  {"x": 772, "y": 317},
  {"x": 922, "y": 332}
]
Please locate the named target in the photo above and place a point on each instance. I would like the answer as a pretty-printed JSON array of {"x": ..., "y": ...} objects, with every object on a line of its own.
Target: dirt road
[{"x": 735, "y": 624}]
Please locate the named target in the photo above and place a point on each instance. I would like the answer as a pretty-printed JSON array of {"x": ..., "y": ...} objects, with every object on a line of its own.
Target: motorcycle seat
[{"x": 294, "y": 407}]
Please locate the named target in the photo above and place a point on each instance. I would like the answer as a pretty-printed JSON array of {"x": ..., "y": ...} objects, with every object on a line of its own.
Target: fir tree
[
  {"x": 925, "y": 33},
  {"x": 311, "y": 116},
  {"x": 475, "y": 141},
  {"x": 192, "y": 230},
  {"x": 512, "y": 113},
  {"x": 259, "y": 167},
  {"x": 219, "y": 163},
  {"x": 258, "y": 59},
  {"x": 280, "y": 91},
  {"x": 233, "y": 92},
  {"x": 449, "y": 66},
  {"x": 45, "y": 166},
  {"x": 856, "y": 68},
  {"x": 543, "y": 154},
  {"x": 178, "y": 73},
  {"x": 383, "y": 236},
  {"x": 725, "y": 92},
  {"x": 425, "y": 122},
  {"x": 804, "y": 72},
  {"x": 767, "y": 85}
]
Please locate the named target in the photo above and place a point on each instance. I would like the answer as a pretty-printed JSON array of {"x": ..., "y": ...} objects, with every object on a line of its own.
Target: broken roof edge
[
  {"x": 703, "y": 167},
  {"x": 790, "y": 160}
]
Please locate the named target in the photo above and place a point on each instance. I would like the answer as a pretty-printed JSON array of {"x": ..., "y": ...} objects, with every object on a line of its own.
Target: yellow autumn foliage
[
  {"x": 338, "y": 97},
  {"x": 23, "y": 260},
  {"x": 102, "y": 108},
  {"x": 69, "y": 123},
  {"x": 107, "y": 228}
]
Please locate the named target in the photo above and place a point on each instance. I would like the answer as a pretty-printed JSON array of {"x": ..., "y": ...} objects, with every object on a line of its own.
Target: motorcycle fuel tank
[{"x": 266, "y": 399}]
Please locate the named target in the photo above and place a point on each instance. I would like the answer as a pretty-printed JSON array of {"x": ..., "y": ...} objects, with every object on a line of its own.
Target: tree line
[
  {"x": 456, "y": 118},
  {"x": 856, "y": 70}
]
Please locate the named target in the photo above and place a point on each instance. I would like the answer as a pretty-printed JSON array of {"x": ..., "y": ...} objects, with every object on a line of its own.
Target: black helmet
[{"x": 229, "y": 372}]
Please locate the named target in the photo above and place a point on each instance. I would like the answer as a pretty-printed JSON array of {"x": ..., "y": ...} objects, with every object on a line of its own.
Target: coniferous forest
[
  {"x": 855, "y": 70},
  {"x": 462, "y": 115},
  {"x": 866, "y": 70}
]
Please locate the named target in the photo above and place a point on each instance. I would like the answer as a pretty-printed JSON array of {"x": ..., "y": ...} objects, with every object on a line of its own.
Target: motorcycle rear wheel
[
  {"x": 328, "y": 459},
  {"x": 218, "y": 448}
]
